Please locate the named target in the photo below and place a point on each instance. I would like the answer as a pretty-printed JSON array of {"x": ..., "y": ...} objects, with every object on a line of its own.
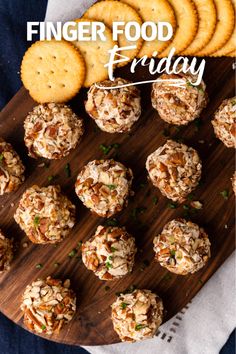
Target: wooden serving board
[{"x": 92, "y": 324}]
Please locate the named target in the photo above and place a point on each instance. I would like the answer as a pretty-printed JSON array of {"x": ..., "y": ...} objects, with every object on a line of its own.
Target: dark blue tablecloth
[{"x": 13, "y": 17}]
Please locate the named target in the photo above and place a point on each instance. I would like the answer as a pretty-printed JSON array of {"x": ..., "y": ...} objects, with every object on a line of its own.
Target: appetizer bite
[
  {"x": 109, "y": 253},
  {"x": 47, "y": 305},
  {"x": 6, "y": 253},
  {"x": 182, "y": 247},
  {"x": 175, "y": 169},
  {"x": 104, "y": 186},
  {"x": 137, "y": 316},
  {"x": 114, "y": 110},
  {"x": 224, "y": 122},
  {"x": 11, "y": 169},
  {"x": 45, "y": 214},
  {"x": 52, "y": 130},
  {"x": 178, "y": 105}
]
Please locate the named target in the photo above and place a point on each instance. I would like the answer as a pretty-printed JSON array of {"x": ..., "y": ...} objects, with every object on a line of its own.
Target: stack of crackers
[{"x": 54, "y": 71}]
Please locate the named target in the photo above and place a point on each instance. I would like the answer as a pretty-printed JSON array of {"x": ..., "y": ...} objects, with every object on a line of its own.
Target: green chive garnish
[
  {"x": 50, "y": 178},
  {"x": 108, "y": 265},
  {"x": 79, "y": 244},
  {"x": 39, "y": 266},
  {"x": 72, "y": 253},
  {"x": 68, "y": 170},
  {"x": 139, "y": 326},
  {"x": 123, "y": 305},
  {"x": 36, "y": 221},
  {"x": 172, "y": 205},
  {"x": 154, "y": 200},
  {"x": 225, "y": 194},
  {"x": 111, "y": 186},
  {"x": 107, "y": 148},
  {"x": 111, "y": 222},
  {"x": 167, "y": 277}
]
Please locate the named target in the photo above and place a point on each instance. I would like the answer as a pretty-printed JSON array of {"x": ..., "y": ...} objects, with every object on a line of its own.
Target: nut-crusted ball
[
  {"x": 224, "y": 122},
  {"x": 47, "y": 305},
  {"x": 6, "y": 253},
  {"x": 114, "y": 110},
  {"x": 110, "y": 252},
  {"x": 137, "y": 316},
  {"x": 175, "y": 169},
  {"x": 11, "y": 169},
  {"x": 104, "y": 186},
  {"x": 45, "y": 214},
  {"x": 233, "y": 179},
  {"x": 52, "y": 130},
  {"x": 182, "y": 247},
  {"x": 179, "y": 105}
]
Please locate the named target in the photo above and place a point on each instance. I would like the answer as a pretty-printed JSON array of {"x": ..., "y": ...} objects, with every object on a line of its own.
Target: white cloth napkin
[{"x": 205, "y": 325}]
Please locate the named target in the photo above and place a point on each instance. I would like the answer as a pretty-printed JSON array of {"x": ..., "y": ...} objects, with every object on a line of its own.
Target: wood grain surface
[{"x": 92, "y": 324}]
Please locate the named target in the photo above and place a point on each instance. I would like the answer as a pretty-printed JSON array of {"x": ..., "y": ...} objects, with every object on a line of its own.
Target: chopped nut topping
[
  {"x": 233, "y": 179},
  {"x": 48, "y": 305},
  {"x": 6, "y": 253},
  {"x": 114, "y": 110},
  {"x": 52, "y": 130},
  {"x": 182, "y": 247},
  {"x": 224, "y": 122},
  {"x": 11, "y": 169},
  {"x": 137, "y": 316},
  {"x": 104, "y": 186},
  {"x": 175, "y": 169},
  {"x": 45, "y": 214},
  {"x": 109, "y": 253},
  {"x": 178, "y": 105}
]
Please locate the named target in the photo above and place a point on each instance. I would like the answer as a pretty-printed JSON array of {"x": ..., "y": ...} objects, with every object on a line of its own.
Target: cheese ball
[
  {"x": 109, "y": 253},
  {"x": 224, "y": 122},
  {"x": 104, "y": 186},
  {"x": 11, "y": 169},
  {"x": 45, "y": 214},
  {"x": 182, "y": 247},
  {"x": 6, "y": 253},
  {"x": 137, "y": 316},
  {"x": 52, "y": 130},
  {"x": 47, "y": 305},
  {"x": 114, "y": 110},
  {"x": 179, "y": 105},
  {"x": 175, "y": 169},
  {"x": 233, "y": 179}
]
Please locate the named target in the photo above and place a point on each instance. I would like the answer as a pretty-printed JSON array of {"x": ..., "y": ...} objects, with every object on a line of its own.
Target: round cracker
[
  {"x": 230, "y": 46},
  {"x": 52, "y": 71},
  {"x": 187, "y": 25},
  {"x": 207, "y": 22},
  {"x": 153, "y": 10},
  {"x": 109, "y": 11},
  {"x": 95, "y": 54},
  {"x": 224, "y": 28}
]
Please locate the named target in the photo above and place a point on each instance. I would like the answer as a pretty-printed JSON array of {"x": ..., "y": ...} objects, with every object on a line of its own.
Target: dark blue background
[{"x": 13, "y": 17}]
